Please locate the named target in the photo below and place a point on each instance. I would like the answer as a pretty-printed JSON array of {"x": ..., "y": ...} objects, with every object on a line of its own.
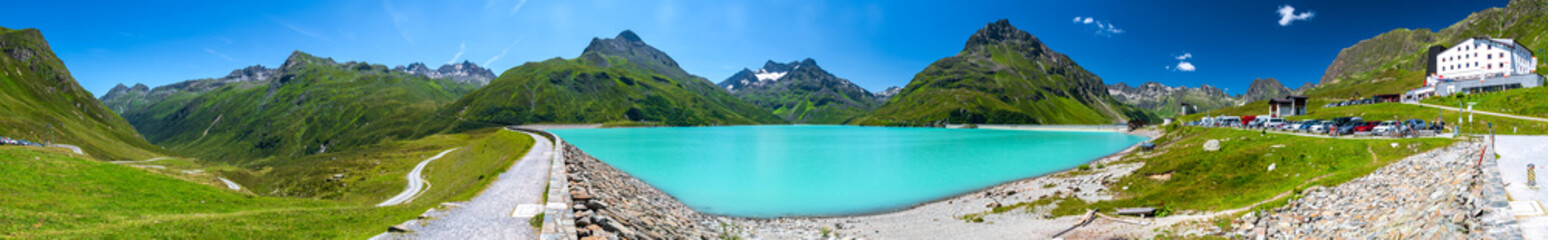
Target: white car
[
  {"x": 1274, "y": 123},
  {"x": 1384, "y": 127}
]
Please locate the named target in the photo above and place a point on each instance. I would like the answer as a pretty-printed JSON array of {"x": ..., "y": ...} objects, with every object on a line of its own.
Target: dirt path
[
  {"x": 416, "y": 182},
  {"x": 1373, "y": 154}
]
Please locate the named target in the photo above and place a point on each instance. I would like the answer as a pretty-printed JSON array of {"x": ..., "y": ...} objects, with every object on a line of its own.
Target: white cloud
[
  {"x": 1185, "y": 66},
  {"x": 1103, "y": 28},
  {"x": 1182, "y": 63},
  {"x": 502, "y": 52},
  {"x": 460, "y": 50},
  {"x": 1287, "y": 14},
  {"x": 218, "y": 54}
]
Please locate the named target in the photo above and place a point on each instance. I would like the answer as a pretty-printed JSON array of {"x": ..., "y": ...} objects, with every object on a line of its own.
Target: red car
[{"x": 1366, "y": 127}]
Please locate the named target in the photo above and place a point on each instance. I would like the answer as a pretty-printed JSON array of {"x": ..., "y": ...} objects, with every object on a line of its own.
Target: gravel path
[
  {"x": 1515, "y": 153},
  {"x": 416, "y": 182},
  {"x": 488, "y": 216}
]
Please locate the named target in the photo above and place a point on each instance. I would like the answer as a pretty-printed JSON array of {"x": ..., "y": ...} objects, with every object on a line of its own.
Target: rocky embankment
[
  {"x": 610, "y": 204},
  {"x": 1441, "y": 194}
]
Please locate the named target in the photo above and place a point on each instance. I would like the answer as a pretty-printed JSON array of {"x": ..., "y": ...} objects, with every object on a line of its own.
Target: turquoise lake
[{"x": 775, "y": 171}]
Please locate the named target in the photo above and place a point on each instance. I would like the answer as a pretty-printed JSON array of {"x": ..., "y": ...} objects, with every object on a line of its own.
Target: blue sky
[{"x": 876, "y": 44}]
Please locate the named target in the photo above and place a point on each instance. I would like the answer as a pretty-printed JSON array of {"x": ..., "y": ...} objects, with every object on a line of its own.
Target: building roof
[{"x": 1506, "y": 41}]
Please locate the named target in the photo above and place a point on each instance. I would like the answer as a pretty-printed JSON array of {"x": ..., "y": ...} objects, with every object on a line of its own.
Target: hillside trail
[{"x": 416, "y": 182}]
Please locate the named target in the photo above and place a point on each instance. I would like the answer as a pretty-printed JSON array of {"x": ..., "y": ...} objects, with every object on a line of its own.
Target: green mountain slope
[
  {"x": 801, "y": 92},
  {"x": 1394, "y": 62},
  {"x": 309, "y": 105},
  {"x": 37, "y": 92},
  {"x": 614, "y": 80},
  {"x": 1003, "y": 75}
]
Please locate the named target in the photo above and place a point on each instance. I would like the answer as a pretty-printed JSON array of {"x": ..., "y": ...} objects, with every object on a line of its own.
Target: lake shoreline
[{"x": 894, "y": 221}]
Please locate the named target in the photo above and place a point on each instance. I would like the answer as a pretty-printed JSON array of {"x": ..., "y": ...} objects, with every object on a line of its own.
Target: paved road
[
  {"x": 488, "y": 215},
  {"x": 71, "y": 147},
  {"x": 416, "y": 182},
  {"x": 1515, "y": 153},
  {"x": 1482, "y": 112},
  {"x": 142, "y": 161},
  {"x": 230, "y": 184}
]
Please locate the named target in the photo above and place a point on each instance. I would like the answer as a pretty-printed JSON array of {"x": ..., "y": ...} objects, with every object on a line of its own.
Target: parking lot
[{"x": 1335, "y": 127}]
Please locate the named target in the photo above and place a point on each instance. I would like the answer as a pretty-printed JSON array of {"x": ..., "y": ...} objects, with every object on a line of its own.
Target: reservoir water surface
[{"x": 774, "y": 171}]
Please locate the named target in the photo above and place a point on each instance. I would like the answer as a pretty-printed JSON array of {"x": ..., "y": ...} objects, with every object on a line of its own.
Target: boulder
[{"x": 1212, "y": 145}]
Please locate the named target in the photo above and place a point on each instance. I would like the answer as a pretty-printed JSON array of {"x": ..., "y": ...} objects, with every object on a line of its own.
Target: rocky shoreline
[
  {"x": 610, "y": 204},
  {"x": 1442, "y": 194},
  {"x": 1437, "y": 194}
]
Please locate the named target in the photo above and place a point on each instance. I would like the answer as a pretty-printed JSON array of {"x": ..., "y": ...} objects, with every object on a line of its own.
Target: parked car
[
  {"x": 1292, "y": 125},
  {"x": 1305, "y": 125},
  {"x": 1416, "y": 124},
  {"x": 1385, "y": 127},
  {"x": 1228, "y": 121},
  {"x": 1246, "y": 121},
  {"x": 1366, "y": 126},
  {"x": 1345, "y": 125},
  {"x": 1274, "y": 123}
]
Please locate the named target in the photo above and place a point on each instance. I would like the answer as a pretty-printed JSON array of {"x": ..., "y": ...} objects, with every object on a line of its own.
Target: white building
[
  {"x": 1479, "y": 57},
  {"x": 1479, "y": 64}
]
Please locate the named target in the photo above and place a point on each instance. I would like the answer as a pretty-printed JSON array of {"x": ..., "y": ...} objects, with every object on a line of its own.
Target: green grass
[
  {"x": 371, "y": 175},
  {"x": 54, "y": 195},
  {"x": 39, "y": 101},
  {"x": 1531, "y": 102},
  {"x": 1237, "y": 176},
  {"x": 1396, "y": 111}
]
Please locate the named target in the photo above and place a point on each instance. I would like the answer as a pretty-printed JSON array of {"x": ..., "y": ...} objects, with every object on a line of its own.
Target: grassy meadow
[{"x": 52, "y": 194}]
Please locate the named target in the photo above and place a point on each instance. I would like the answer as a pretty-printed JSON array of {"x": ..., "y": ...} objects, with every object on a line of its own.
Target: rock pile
[
  {"x": 1440, "y": 194},
  {"x": 610, "y": 204}
]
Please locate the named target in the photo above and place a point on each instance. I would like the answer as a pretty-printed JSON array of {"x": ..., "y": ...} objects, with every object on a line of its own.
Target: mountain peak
[
  {"x": 629, "y": 36},
  {"x": 998, "y": 32},
  {"x": 297, "y": 58},
  {"x": 628, "y": 46}
]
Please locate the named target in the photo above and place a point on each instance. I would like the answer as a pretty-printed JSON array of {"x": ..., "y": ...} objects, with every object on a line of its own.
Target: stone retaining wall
[
  {"x": 1441, "y": 194},
  {"x": 610, "y": 204},
  {"x": 558, "y": 223}
]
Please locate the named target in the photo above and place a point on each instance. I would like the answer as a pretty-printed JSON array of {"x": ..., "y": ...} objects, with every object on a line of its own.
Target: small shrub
[
  {"x": 536, "y": 221},
  {"x": 1084, "y": 167}
]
